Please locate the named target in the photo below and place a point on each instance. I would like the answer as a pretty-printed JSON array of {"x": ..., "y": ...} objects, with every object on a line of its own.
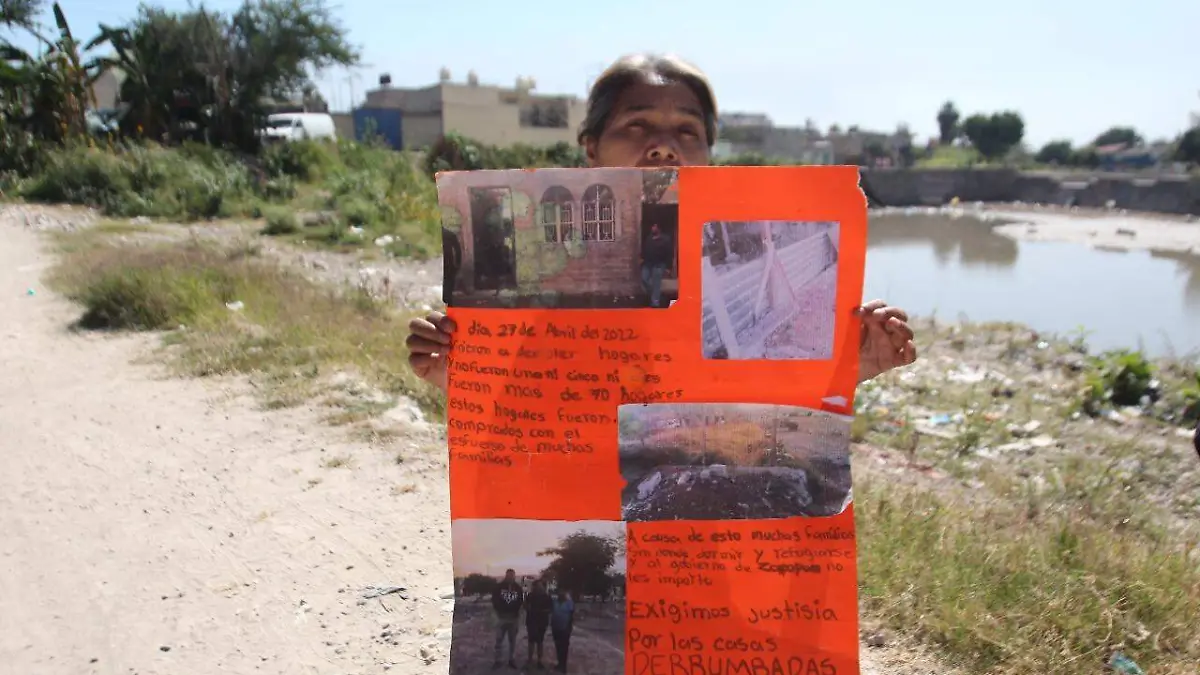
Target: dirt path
[{"x": 153, "y": 525}]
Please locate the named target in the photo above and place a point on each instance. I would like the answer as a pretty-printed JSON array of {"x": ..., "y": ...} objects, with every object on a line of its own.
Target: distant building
[
  {"x": 1122, "y": 157},
  {"x": 754, "y": 133},
  {"x": 489, "y": 114},
  {"x": 106, "y": 90}
]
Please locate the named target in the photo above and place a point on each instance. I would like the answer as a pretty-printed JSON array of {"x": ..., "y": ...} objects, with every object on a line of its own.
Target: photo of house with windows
[{"x": 565, "y": 238}]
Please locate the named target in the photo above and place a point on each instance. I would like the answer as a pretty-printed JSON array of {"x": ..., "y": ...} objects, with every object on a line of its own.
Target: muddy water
[{"x": 960, "y": 268}]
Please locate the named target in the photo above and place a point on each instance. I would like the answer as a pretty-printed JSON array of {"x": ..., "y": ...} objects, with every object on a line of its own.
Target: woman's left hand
[{"x": 887, "y": 341}]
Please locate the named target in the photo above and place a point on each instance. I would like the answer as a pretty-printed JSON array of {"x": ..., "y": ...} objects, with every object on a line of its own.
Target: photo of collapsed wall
[
  {"x": 769, "y": 290},
  {"x": 713, "y": 461}
]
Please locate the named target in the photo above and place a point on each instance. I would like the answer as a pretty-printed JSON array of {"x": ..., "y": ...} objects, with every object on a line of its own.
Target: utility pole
[{"x": 351, "y": 78}]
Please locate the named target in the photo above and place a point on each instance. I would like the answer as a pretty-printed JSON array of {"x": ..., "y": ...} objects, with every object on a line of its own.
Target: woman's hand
[
  {"x": 887, "y": 341},
  {"x": 428, "y": 344}
]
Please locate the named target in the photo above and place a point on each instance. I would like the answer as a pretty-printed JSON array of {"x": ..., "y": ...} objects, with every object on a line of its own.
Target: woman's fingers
[
  {"x": 869, "y": 308},
  {"x": 422, "y": 345},
  {"x": 898, "y": 331},
  {"x": 434, "y": 328}
]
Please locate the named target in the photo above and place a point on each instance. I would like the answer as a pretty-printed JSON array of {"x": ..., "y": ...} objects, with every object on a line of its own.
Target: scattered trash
[
  {"x": 1124, "y": 665},
  {"x": 384, "y": 240},
  {"x": 877, "y": 639},
  {"x": 380, "y": 591},
  {"x": 29, "y": 291},
  {"x": 1024, "y": 430},
  {"x": 235, "y": 306}
]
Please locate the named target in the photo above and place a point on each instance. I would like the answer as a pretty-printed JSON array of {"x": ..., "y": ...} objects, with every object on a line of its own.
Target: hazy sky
[
  {"x": 491, "y": 546},
  {"x": 1072, "y": 68}
]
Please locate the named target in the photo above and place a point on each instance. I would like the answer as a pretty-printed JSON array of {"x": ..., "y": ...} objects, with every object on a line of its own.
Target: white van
[{"x": 299, "y": 126}]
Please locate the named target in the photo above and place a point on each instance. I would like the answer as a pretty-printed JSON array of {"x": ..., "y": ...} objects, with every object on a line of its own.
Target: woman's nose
[{"x": 662, "y": 153}]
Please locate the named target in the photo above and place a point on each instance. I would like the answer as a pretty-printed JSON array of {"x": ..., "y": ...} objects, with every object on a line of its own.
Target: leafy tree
[
  {"x": 1188, "y": 149},
  {"x": 48, "y": 94},
  {"x": 20, "y": 13},
  {"x": 874, "y": 150},
  {"x": 582, "y": 562},
  {"x": 1123, "y": 135},
  {"x": 1055, "y": 152},
  {"x": 994, "y": 135},
  {"x": 478, "y": 584},
  {"x": 947, "y": 120},
  {"x": 203, "y": 69}
]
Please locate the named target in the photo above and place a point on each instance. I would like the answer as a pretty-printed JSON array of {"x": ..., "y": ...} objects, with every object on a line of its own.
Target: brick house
[{"x": 552, "y": 237}]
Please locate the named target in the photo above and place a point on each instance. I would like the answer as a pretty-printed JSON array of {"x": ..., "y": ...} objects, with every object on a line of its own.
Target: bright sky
[
  {"x": 1072, "y": 68},
  {"x": 492, "y": 546}
]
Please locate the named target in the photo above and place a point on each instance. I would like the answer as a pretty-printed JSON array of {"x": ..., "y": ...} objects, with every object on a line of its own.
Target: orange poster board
[{"x": 649, "y": 418}]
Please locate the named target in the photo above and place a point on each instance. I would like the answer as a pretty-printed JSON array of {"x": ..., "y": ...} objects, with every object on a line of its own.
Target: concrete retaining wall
[{"x": 933, "y": 187}]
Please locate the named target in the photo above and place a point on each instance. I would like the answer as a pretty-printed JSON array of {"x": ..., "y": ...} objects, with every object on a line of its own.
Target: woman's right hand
[{"x": 428, "y": 345}]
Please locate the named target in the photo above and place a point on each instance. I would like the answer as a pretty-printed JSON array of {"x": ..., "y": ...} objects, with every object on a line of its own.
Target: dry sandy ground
[{"x": 153, "y": 525}]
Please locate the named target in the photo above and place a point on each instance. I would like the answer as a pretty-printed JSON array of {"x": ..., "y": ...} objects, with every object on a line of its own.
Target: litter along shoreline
[{"x": 1098, "y": 228}]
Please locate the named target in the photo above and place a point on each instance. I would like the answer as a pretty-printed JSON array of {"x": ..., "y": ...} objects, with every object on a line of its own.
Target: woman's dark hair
[{"x": 646, "y": 69}]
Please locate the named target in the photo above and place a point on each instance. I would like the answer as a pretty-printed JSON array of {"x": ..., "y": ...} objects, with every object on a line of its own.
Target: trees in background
[
  {"x": 1127, "y": 136},
  {"x": 195, "y": 73},
  {"x": 947, "y": 119},
  {"x": 583, "y": 562},
  {"x": 1055, "y": 152},
  {"x": 993, "y": 136}
]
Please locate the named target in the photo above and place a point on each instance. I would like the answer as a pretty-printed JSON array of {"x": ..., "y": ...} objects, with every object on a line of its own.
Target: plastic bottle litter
[{"x": 1124, "y": 665}]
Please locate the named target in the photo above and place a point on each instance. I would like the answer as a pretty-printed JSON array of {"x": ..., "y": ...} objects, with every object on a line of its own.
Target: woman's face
[{"x": 652, "y": 125}]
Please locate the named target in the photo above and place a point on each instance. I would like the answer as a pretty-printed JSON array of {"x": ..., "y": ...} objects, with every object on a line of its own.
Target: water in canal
[{"x": 960, "y": 268}]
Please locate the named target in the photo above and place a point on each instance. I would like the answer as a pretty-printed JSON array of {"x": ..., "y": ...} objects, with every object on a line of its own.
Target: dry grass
[
  {"x": 229, "y": 312},
  {"x": 1025, "y": 585},
  {"x": 1034, "y": 559}
]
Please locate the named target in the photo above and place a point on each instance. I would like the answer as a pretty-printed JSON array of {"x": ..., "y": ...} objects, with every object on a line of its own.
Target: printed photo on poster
[
  {"x": 538, "y": 594},
  {"x": 714, "y": 461},
  {"x": 561, "y": 238},
  {"x": 769, "y": 290}
]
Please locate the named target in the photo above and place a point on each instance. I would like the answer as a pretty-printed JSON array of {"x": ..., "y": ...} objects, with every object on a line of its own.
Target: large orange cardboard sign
[{"x": 649, "y": 419}]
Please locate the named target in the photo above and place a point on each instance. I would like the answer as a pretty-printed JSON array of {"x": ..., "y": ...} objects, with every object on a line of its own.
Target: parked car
[{"x": 299, "y": 126}]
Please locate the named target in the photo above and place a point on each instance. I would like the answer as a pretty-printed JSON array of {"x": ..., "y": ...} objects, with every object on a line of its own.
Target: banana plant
[{"x": 56, "y": 83}]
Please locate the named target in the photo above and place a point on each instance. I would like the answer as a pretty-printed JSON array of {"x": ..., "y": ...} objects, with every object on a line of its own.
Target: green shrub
[
  {"x": 358, "y": 211},
  {"x": 21, "y": 153},
  {"x": 305, "y": 160},
  {"x": 278, "y": 189},
  {"x": 142, "y": 181},
  {"x": 1119, "y": 378},
  {"x": 281, "y": 220},
  {"x": 454, "y": 152},
  {"x": 141, "y": 296}
]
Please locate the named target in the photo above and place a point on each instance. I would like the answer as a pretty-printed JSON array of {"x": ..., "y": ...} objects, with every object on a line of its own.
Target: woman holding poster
[{"x": 658, "y": 111}]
